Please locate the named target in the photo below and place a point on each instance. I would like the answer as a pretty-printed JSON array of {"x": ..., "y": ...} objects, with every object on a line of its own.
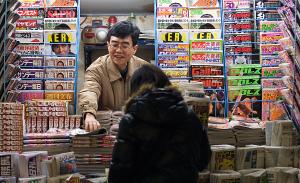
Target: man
[
  {"x": 107, "y": 79},
  {"x": 62, "y": 40}
]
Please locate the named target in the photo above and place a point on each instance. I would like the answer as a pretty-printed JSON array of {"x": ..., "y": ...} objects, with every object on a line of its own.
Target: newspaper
[
  {"x": 30, "y": 163},
  {"x": 225, "y": 176},
  {"x": 275, "y": 174},
  {"x": 250, "y": 157},
  {"x": 223, "y": 157},
  {"x": 283, "y": 134},
  {"x": 279, "y": 156},
  {"x": 203, "y": 177},
  {"x": 253, "y": 175}
]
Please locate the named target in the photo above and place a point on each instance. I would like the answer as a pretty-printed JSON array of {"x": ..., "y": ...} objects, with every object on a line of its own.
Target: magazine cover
[
  {"x": 176, "y": 72},
  {"x": 270, "y": 37},
  {"x": 267, "y": 3},
  {"x": 270, "y": 49},
  {"x": 205, "y": 34},
  {"x": 172, "y": 23},
  {"x": 173, "y": 49},
  {"x": 172, "y": 3},
  {"x": 59, "y": 85},
  {"x": 54, "y": 23},
  {"x": 272, "y": 83},
  {"x": 60, "y": 61},
  {"x": 30, "y": 49},
  {"x": 272, "y": 72},
  {"x": 243, "y": 101},
  {"x": 210, "y": 82},
  {"x": 270, "y": 26},
  {"x": 26, "y": 95},
  {"x": 267, "y": 15},
  {"x": 30, "y": 62},
  {"x": 60, "y": 73},
  {"x": 59, "y": 95},
  {"x": 243, "y": 80},
  {"x": 206, "y": 70},
  {"x": 204, "y": 3},
  {"x": 61, "y": 12},
  {"x": 272, "y": 109},
  {"x": 173, "y": 61},
  {"x": 238, "y": 26},
  {"x": 238, "y": 38},
  {"x": 29, "y": 36},
  {"x": 206, "y": 57},
  {"x": 30, "y": 85},
  {"x": 239, "y": 49},
  {"x": 31, "y": 12},
  {"x": 173, "y": 36},
  {"x": 206, "y": 45},
  {"x": 217, "y": 102},
  {"x": 172, "y": 12},
  {"x": 64, "y": 50},
  {"x": 237, "y": 15},
  {"x": 237, "y": 4},
  {"x": 271, "y": 60},
  {"x": 214, "y": 15},
  {"x": 238, "y": 59},
  {"x": 31, "y": 73},
  {"x": 202, "y": 24},
  {"x": 60, "y": 3},
  {"x": 30, "y": 24},
  {"x": 60, "y": 36},
  {"x": 32, "y": 4},
  {"x": 245, "y": 70}
]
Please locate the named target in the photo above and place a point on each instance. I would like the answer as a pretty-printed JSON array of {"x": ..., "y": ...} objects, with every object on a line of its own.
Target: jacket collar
[{"x": 113, "y": 71}]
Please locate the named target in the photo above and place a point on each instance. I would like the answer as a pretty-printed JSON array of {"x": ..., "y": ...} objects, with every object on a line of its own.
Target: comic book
[
  {"x": 239, "y": 49},
  {"x": 29, "y": 36},
  {"x": 243, "y": 101},
  {"x": 173, "y": 36},
  {"x": 206, "y": 45},
  {"x": 270, "y": 37},
  {"x": 31, "y": 13},
  {"x": 26, "y": 95},
  {"x": 207, "y": 70},
  {"x": 52, "y": 23},
  {"x": 237, "y": 4},
  {"x": 59, "y": 85},
  {"x": 204, "y": 3},
  {"x": 270, "y": 49},
  {"x": 267, "y": 15},
  {"x": 173, "y": 49},
  {"x": 270, "y": 26},
  {"x": 30, "y": 24},
  {"x": 176, "y": 72},
  {"x": 245, "y": 70},
  {"x": 237, "y": 15},
  {"x": 267, "y": 4},
  {"x": 172, "y": 3},
  {"x": 172, "y": 12},
  {"x": 59, "y": 95},
  {"x": 272, "y": 109},
  {"x": 212, "y": 14},
  {"x": 30, "y": 85},
  {"x": 243, "y": 80},
  {"x": 270, "y": 60},
  {"x": 206, "y": 57},
  {"x": 61, "y": 3},
  {"x": 61, "y": 12},
  {"x": 204, "y": 24},
  {"x": 239, "y": 59},
  {"x": 60, "y": 73},
  {"x": 32, "y": 4},
  {"x": 60, "y": 61},
  {"x": 173, "y": 61},
  {"x": 30, "y": 62},
  {"x": 210, "y": 82},
  {"x": 234, "y": 38},
  {"x": 172, "y": 23},
  {"x": 272, "y": 72},
  {"x": 238, "y": 26},
  {"x": 31, "y": 73},
  {"x": 272, "y": 83},
  {"x": 205, "y": 34},
  {"x": 30, "y": 49}
]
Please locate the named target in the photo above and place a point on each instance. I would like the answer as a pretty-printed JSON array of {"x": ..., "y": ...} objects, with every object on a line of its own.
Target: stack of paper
[
  {"x": 250, "y": 157},
  {"x": 221, "y": 136},
  {"x": 223, "y": 157},
  {"x": 284, "y": 134},
  {"x": 247, "y": 135},
  {"x": 225, "y": 176},
  {"x": 253, "y": 175},
  {"x": 279, "y": 156}
]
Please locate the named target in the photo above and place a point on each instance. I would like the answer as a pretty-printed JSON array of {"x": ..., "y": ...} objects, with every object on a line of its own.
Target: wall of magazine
[
  {"x": 244, "y": 52},
  {"x": 42, "y": 63}
]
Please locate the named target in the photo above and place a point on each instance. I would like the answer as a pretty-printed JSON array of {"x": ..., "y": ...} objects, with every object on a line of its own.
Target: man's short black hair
[
  {"x": 123, "y": 29},
  {"x": 148, "y": 74},
  {"x": 62, "y": 27}
]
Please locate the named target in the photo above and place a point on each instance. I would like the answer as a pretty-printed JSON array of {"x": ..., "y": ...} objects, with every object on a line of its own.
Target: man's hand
[{"x": 90, "y": 123}]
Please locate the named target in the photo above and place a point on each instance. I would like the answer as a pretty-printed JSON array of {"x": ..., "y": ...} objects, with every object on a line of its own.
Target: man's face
[
  {"x": 121, "y": 50},
  {"x": 61, "y": 49}
]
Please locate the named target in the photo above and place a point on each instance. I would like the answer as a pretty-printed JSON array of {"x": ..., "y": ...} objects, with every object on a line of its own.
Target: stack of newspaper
[
  {"x": 253, "y": 175},
  {"x": 279, "y": 156},
  {"x": 221, "y": 136},
  {"x": 109, "y": 118},
  {"x": 250, "y": 157},
  {"x": 283, "y": 134},
  {"x": 249, "y": 135},
  {"x": 282, "y": 174},
  {"x": 93, "y": 152},
  {"x": 225, "y": 176},
  {"x": 223, "y": 157},
  {"x": 203, "y": 177}
]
